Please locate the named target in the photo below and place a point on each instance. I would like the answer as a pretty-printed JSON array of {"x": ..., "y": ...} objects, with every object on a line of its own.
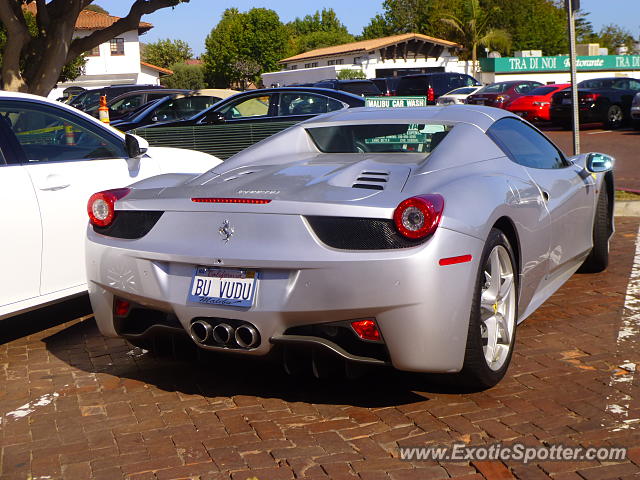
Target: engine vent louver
[
  {"x": 371, "y": 179},
  {"x": 233, "y": 177}
]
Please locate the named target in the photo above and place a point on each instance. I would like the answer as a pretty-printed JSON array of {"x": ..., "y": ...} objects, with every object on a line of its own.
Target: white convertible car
[{"x": 53, "y": 157}]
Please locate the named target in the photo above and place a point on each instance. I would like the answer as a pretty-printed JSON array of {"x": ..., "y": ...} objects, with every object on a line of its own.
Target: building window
[
  {"x": 293, "y": 67},
  {"x": 357, "y": 60},
  {"x": 94, "y": 52},
  {"x": 311, "y": 65},
  {"x": 339, "y": 61},
  {"x": 117, "y": 46}
]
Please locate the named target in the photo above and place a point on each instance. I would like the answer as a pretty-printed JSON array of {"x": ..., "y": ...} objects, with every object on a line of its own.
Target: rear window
[
  {"x": 360, "y": 88},
  {"x": 462, "y": 91},
  {"x": 385, "y": 138},
  {"x": 541, "y": 90},
  {"x": 494, "y": 88}
]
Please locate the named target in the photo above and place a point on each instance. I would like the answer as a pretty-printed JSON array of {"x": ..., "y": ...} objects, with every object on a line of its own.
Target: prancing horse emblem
[{"x": 226, "y": 231}]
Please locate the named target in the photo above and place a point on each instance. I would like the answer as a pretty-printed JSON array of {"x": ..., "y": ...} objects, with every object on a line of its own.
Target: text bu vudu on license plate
[{"x": 221, "y": 286}]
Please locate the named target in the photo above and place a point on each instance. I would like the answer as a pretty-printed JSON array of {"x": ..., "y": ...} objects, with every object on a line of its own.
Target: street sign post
[{"x": 571, "y": 6}]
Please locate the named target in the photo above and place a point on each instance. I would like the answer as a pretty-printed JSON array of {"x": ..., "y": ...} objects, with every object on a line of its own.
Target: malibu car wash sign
[
  {"x": 395, "y": 102},
  {"x": 560, "y": 63}
]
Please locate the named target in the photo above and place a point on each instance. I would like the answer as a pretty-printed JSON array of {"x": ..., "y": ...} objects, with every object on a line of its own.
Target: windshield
[{"x": 390, "y": 138}]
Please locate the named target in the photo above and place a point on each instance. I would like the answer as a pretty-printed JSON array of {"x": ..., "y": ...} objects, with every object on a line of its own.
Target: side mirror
[
  {"x": 154, "y": 118},
  {"x": 135, "y": 145},
  {"x": 599, "y": 162},
  {"x": 214, "y": 118}
]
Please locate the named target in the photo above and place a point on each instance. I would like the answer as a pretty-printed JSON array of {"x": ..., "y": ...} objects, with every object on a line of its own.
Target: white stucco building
[
  {"x": 381, "y": 57},
  {"x": 114, "y": 62}
]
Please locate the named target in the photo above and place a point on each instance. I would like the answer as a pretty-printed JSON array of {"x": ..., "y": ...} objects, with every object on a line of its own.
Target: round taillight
[
  {"x": 418, "y": 217},
  {"x": 101, "y": 206}
]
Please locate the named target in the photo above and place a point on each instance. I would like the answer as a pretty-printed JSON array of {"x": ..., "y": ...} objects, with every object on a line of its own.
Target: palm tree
[{"x": 473, "y": 30}]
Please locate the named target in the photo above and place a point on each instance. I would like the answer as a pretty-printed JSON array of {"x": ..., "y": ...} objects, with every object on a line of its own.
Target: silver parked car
[{"x": 412, "y": 237}]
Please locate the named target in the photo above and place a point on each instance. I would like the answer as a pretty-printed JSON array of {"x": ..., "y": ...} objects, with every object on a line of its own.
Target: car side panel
[{"x": 20, "y": 255}]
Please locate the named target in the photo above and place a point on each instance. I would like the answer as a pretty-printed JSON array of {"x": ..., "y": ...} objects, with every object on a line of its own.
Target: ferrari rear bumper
[{"x": 421, "y": 307}]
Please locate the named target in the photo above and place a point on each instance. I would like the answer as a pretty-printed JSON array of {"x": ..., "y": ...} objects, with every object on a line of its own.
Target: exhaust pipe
[
  {"x": 247, "y": 336},
  {"x": 200, "y": 331},
  {"x": 222, "y": 333}
]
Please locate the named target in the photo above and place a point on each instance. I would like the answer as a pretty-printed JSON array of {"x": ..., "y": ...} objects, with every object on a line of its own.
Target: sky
[{"x": 193, "y": 21}]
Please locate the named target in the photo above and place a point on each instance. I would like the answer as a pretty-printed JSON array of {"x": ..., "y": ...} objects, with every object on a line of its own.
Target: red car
[
  {"x": 534, "y": 106},
  {"x": 500, "y": 94}
]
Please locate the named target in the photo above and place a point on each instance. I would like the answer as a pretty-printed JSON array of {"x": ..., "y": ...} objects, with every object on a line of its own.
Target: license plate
[
  {"x": 479, "y": 102},
  {"x": 566, "y": 101},
  {"x": 223, "y": 286}
]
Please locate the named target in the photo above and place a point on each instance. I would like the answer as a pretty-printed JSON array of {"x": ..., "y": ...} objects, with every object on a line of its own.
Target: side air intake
[{"x": 372, "y": 180}]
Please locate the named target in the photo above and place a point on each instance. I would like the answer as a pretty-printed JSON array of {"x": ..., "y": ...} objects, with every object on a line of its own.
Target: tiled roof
[
  {"x": 90, "y": 20},
  {"x": 368, "y": 45},
  {"x": 193, "y": 61},
  {"x": 155, "y": 67}
]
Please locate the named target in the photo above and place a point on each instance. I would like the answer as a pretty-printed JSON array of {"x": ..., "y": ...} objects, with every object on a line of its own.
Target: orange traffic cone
[{"x": 103, "y": 110}]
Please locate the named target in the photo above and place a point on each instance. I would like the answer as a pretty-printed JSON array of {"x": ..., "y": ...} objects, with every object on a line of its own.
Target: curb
[{"x": 629, "y": 208}]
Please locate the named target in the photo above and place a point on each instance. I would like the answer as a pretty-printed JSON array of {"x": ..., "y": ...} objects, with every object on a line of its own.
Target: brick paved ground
[{"x": 74, "y": 405}]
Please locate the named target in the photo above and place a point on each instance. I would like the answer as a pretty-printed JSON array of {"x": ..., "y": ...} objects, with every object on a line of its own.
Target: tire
[
  {"x": 614, "y": 117},
  {"x": 598, "y": 258},
  {"x": 485, "y": 366}
]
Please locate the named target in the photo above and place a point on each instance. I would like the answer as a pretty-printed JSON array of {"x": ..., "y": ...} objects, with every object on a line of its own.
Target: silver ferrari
[{"x": 413, "y": 237}]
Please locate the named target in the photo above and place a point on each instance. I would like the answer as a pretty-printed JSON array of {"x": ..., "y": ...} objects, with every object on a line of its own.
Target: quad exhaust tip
[
  {"x": 246, "y": 336},
  {"x": 222, "y": 333},
  {"x": 200, "y": 331}
]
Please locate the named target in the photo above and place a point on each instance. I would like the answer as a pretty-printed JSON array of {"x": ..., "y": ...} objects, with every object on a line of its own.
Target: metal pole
[{"x": 574, "y": 83}]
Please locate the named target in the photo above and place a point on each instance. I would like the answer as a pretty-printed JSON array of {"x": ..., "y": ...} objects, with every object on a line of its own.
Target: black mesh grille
[
  {"x": 349, "y": 233},
  {"x": 130, "y": 224}
]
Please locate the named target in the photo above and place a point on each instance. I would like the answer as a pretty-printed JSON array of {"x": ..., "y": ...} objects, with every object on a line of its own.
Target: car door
[
  {"x": 67, "y": 158},
  {"x": 302, "y": 105},
  {"x": 565, "y": 189},
  {"x": 20, "y": 254},
  {"x": 256, "y": 108}
]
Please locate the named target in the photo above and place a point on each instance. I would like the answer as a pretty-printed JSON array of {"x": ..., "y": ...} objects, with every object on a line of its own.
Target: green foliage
[
  {"x": 166, "y": 52},
  {"x": 349, "y": 74},
  {"x": 412, "y": 16},
  {"x": 377, "y": 28},
  {"x": 472, "y": 29},
  {"x": 185, "y": 76},
  {"x": 96, "y": 8},
  {"x": 322, "y": 29},
  {"x": 612, "y": 36},
  {"x": 533, "y": 24},
  {"x": 257, "y": 35}
]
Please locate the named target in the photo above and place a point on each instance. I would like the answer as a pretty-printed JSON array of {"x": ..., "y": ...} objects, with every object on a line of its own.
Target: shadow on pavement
[
  {"x": 43, "y": 318},
  {"x": 189, "y": 371}
]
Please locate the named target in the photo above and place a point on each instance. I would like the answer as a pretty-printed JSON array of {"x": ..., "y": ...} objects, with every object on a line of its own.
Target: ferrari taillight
[
  {"x": 431, "y": 95},
  {"x": 101, "y": 206},
  {"x": 418, "y": 217}
]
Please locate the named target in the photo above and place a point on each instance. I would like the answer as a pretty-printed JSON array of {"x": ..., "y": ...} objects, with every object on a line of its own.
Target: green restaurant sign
[{"x": 559, "y": 63}]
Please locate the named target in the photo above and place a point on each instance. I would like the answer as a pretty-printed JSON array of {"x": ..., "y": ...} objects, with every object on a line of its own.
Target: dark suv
[
  {"x": 90, "y": 99},
  {"x": 432, "y": 85}
]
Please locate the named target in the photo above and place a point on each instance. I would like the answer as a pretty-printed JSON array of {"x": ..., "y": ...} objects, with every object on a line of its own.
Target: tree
[
  {"x": 245, "y": 70},
  {"x": 612, "y": 36},
  {"x": 377, "y": 28},
  {"x": 412, "y": 16},
  {"x": 32, "y": 62},
  {"x": 164, "y": 53},
  {"x": 96, "y": 8},
  {"x": 472, "y": 30},
  {"x": 322, "y": 29},
  {"x": 350, "y": 74},
  {"x": 258, "y": 35},
  {"x": 186, "y": 76}
]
